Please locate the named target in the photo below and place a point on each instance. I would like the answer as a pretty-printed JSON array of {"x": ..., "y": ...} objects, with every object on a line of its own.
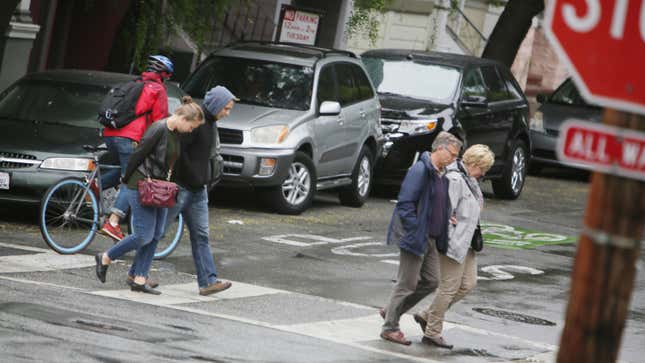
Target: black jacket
[
  {"x": 199, "y": 163},
  {"x": 150, "y": 156}
]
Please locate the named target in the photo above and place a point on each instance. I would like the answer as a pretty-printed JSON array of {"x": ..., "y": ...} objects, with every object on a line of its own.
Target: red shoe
[{"x": 111, "y": 231}]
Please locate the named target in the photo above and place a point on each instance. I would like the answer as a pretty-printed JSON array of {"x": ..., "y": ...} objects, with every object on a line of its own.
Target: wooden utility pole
[{"x": 605, "y": 264}]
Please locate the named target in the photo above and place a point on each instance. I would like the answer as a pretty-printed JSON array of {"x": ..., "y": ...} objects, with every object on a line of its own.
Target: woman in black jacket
[{"x": 154, "y": 158}]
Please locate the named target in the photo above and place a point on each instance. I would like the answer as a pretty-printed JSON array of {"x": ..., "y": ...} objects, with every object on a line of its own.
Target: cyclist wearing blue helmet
[
  {"x": 152, "y": 106},
  {"x": 161, "y": 65}
]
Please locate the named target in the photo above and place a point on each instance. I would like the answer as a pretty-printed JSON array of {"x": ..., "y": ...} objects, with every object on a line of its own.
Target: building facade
[{"x": 50, "y": 34}]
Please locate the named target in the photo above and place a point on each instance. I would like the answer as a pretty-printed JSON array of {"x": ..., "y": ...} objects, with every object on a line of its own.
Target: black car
[
  {"x": 476, "y": 99},
  {"x": 46, "y": 118},
  {"x": 564, "y": 103}
]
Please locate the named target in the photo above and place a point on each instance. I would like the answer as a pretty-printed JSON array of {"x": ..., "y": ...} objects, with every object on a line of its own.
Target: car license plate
[{"x": 4, "y": 180}]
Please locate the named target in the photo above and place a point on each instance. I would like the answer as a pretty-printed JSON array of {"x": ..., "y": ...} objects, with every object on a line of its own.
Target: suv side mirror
[
  {"x": 329, "y": 108},
  {"x": 541, "y": 98},
  {"x": 475, "y": 101}
]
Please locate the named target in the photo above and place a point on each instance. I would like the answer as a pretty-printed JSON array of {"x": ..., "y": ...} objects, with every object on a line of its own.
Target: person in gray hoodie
[
  {"x": 458, "y": 265},
  {"x": 419, "y": 224}
]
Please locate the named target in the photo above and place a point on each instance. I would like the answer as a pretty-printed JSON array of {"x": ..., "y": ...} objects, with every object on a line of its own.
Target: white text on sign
[{"x": 603, "y": 148}]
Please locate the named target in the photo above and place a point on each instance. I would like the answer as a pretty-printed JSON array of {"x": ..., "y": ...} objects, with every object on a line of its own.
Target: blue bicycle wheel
[
  {"x": 69, "y": 216},
  {"x": 172, "y": 236}
]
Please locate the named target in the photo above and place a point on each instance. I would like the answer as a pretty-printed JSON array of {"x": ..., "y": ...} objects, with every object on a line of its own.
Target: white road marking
[
  {"x": 42, "y": 260},
  {"x": 347, "y": 250},
  {"x": 188, "y": 293},
  {"x": 354, "y": 330},
  {"x": 40, "y": 283}
]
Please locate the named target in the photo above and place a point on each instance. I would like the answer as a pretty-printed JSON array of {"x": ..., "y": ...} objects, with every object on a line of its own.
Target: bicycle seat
[{"x": 93, "y": 149}]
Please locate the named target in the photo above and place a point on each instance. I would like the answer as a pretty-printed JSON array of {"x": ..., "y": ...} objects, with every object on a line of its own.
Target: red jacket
[{"x": 154, "y": 99}]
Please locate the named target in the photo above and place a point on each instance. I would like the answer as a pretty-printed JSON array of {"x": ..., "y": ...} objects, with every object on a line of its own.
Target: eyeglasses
[{"x": 453, "y": 154}]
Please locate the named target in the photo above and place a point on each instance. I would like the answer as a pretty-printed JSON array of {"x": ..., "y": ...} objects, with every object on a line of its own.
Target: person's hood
[
  {"x": 458, "y": 166},
  {"x": 246, "y": 117},
  {"x": 152, "y": 76},
  {"x": 425, "y": 159}
]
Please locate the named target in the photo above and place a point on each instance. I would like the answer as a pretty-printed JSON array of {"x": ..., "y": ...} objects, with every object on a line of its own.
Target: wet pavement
[{"x": 305, "y": 288}]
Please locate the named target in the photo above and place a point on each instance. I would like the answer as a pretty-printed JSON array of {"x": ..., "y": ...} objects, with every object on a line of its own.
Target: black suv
[{"x": 476, "y": 99}]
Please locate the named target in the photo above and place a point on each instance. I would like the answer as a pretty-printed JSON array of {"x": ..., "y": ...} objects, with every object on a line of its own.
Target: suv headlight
[
  {"x": 537, "y": 123},
  {"x": 274, "y": 134},
  {"x": 74, "y": 164},
  {"x": 414, "y": 127}
]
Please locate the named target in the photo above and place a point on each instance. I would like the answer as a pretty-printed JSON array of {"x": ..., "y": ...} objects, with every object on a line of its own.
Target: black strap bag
[
  {"x": 477, "y": 243},
  {"x": 118, "y": 107}
]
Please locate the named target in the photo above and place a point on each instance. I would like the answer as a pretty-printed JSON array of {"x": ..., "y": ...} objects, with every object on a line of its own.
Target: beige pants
[{"x": 457, "y": 279}]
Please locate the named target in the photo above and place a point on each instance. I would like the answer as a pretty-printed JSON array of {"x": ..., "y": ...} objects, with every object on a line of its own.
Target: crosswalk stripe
[
  {"x": 42, "y": 260},
  {"x": 188, "y": 293}
]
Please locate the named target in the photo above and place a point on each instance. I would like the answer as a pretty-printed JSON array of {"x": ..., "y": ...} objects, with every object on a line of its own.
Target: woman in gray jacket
[{"x": 458, "y": 266}]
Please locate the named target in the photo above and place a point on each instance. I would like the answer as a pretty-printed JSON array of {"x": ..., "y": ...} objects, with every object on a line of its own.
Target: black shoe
[
  {"x": 130, "y": 281},
  {"x": 101, "y": 269},
  {"x": 421, "y": 321},
  {"x": 438, "y": 341},
  {"x": 144, "y": 288}
]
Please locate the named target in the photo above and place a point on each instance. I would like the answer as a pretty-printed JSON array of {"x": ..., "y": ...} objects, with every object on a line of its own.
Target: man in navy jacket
[{"x": 418, "y": 226}]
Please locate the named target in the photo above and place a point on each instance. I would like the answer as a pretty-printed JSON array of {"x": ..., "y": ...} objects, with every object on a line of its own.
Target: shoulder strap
[{"x": 464, "y": 175}]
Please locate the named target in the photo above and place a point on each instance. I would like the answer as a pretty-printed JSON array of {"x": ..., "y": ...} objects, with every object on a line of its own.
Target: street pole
[{"x": 605, "y": 265}]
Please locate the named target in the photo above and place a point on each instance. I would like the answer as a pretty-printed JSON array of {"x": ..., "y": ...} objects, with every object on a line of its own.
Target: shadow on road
[
  {"x": 563, "y": 173},
  {"x": 18, "y": 213}
]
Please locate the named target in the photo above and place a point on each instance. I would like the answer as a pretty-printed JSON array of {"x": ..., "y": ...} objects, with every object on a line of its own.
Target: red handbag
[{"x": 157, "y": 193}]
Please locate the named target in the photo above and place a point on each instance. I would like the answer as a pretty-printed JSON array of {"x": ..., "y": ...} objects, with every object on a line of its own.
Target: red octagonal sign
[{"x": 603, "y": 42}]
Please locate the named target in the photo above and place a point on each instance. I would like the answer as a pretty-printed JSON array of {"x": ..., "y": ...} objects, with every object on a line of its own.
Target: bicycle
[{"x": 71, "y": 213}]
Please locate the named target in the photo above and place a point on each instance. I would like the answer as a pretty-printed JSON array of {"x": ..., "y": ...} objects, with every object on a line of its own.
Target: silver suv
[{"x": 307, "y": 120}]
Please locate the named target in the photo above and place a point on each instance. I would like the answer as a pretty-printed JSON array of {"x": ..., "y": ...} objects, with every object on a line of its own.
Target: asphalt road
[{"x": 305, "y": 288}]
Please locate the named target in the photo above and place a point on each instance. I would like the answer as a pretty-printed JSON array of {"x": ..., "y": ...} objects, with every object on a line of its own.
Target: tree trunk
[{"x": 510, "y": 30}]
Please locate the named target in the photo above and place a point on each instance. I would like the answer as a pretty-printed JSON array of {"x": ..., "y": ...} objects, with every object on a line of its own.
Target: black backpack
[{"x": 118, "y": 107}]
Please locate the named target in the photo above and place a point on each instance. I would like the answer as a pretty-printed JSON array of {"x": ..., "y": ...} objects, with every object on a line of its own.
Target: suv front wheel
[
  {"x": 355, "y": 194},
  {"x": 514, "y": 174},
  {"x": 297, "y": 191}
]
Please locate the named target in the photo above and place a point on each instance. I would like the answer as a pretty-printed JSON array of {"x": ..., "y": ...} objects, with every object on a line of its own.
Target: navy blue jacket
[{"x": 409, "y": 224}]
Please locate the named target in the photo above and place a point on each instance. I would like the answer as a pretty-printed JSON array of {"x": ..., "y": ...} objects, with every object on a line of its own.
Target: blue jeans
[
  {"x": 194, "y": 208},
  {"x": 123, "y": 148},
  {"x": 149, "y": 224}
]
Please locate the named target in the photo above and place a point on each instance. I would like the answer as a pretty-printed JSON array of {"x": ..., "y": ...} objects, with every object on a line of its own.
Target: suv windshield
[
  {"x": 424, "y": 81},
  {"x": 57, "y": 102},
  {"x": 255, "y": 82}
]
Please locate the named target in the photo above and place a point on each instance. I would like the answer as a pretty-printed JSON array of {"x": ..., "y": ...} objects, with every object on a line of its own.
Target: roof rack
[{"x": 324, "y": 52}]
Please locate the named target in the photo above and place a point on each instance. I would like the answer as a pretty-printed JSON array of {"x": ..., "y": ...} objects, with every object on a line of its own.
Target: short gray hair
[{"x": 444, "y": 139}]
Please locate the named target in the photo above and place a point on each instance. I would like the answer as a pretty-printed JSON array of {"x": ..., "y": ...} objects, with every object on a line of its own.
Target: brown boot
[{"x": 214, "y": 287}]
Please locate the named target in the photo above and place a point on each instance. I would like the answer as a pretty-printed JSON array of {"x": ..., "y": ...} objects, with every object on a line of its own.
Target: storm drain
[{"x": 522, "y": 318}]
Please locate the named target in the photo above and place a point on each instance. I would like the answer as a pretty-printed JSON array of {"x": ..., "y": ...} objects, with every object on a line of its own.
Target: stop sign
[{"x": 603, "y": 42}]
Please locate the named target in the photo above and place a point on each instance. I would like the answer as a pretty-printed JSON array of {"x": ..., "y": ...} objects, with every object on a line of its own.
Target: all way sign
[{"x": 603, "y": 148}]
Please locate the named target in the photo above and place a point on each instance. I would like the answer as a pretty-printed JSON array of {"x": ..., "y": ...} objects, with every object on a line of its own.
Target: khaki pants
[
  {"x": 457, "y": 279},
  {"x": 418, "y": 277}
]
